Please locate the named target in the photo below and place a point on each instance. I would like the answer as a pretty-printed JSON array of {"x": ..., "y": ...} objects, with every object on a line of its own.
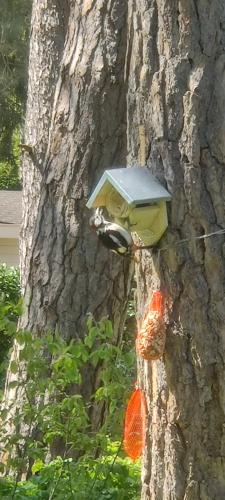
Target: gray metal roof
[
  {"x": 10, "y": 207},
  {"x": 135, "y": 184}
]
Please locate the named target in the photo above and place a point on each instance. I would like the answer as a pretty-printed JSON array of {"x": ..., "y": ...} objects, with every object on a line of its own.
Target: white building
[{"x": 10, "y": 220}]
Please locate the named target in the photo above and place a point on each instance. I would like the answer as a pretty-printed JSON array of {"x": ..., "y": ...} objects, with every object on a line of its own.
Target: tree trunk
[
  {"x": 48, "y": 31},
  {"x": 166, "y": 59},
  {"x": 176, "y": 96},
  {"x": 76, "y": 126}
]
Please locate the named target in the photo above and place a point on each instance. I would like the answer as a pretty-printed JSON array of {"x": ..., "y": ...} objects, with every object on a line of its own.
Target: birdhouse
[{"x": 134, "y": 199}]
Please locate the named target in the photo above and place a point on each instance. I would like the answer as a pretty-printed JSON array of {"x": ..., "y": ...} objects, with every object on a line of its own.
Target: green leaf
[
  {"x": 37, "y": 466},
  {"x": 108, "y": 329}
]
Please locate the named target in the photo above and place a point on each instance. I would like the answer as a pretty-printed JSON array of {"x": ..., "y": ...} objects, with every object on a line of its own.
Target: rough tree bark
[
  {"x": 176, "y": 95},
  {"x": 48, "y": 31},
  {"x": 75, "y": 125},
  {"x": 173, "y": 56}
]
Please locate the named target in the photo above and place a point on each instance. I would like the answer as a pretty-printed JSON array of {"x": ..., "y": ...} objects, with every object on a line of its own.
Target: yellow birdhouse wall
[{"x": 149, "y": 222}]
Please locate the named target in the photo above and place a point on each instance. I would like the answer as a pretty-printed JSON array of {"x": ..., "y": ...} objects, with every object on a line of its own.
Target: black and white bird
[{"x": 112, "y": 235}]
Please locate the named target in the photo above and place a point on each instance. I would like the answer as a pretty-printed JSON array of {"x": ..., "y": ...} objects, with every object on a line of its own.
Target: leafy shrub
[
  {"x": 108, "y": 477},
  {"x": 53, "y": 367},
  {"x": 9, "y": 178},
  {"x": 9, "y": 168},
  {"x": 53, "y": 411},
  {"x": 9, "y": 284},
  {"x": 10, "y": 309}
]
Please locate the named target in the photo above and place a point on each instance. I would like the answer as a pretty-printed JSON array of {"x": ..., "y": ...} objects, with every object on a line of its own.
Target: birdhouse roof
[{"x": 135, "y": 184}]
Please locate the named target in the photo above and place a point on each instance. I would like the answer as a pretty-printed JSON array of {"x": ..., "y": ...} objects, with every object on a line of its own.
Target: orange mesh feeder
[
  {"x": 151, "y": 338},
  {"x": 156, "y": 303},
  {"x": 134, "y": 429}
]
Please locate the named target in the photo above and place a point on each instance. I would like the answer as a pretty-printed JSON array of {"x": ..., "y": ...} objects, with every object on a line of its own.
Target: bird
[{"x": 113, "y": 236}]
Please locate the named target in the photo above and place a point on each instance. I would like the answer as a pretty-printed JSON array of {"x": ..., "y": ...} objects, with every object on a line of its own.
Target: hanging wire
[
  {"x": 188, "y": 240},
  {"x": 184, "y": 241}
]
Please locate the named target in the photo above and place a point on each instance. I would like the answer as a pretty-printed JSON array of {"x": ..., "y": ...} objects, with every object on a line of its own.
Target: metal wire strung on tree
[{"x": 187, "y": 240}]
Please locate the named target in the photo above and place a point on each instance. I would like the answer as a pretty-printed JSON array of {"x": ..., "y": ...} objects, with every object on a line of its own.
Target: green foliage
[
  {"x": 9, "y": 313},
  {"x": 53, "y": 366},
  {"x": 10, "y": 309},
  {"x": 101, "y": 479},
  {"x": 55, "y": 410},
  {"x": 14, "y": 26},
  {"x": 9, "y": 284},
  {"x": 9, "y": 176}
]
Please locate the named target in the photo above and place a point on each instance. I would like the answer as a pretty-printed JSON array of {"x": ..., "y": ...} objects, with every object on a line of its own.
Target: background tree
[{"x": 14, "y": 26}]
